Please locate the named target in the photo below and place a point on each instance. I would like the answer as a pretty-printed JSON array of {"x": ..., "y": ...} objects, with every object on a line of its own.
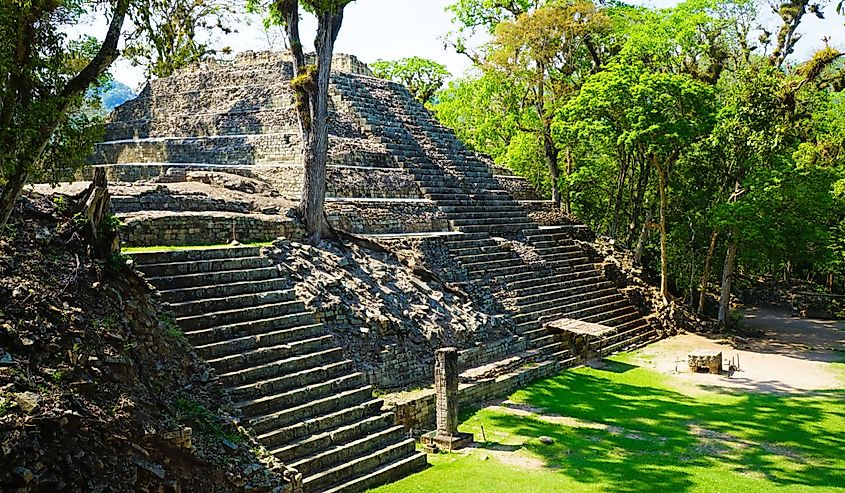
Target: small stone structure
[
  {"x": 446, "y": 436},
  {"x": 711, "y": 360}
]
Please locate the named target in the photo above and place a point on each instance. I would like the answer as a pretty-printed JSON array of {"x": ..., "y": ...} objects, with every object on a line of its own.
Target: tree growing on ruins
[
  {"x": 311, "y": 89},
  {"x": 46, "y": 77},
  {"x": 421, "y": 76},
  {"x": 171, "y": 34}
]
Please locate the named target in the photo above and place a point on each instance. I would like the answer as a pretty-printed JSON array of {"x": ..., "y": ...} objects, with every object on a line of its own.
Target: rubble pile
[
  {"x": 371, "y": 299},
  {"x": 99, "y": 391}
]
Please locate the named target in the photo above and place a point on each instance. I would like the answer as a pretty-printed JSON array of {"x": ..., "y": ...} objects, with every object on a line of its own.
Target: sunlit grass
[
  {"x": 627, "y": 428},
  {"x": 150, "y": 249}
]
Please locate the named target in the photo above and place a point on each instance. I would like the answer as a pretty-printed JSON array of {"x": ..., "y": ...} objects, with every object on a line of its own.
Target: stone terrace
[{"x": 394, "y": 173}]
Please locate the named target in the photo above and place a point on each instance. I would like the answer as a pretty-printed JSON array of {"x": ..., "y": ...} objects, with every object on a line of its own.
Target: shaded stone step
[
  {"x": 281, "y": 367},
  {"x": 230, "y": 317},
  {"x": 383, "y": 474},
  {"x": 335, "y": 436},
  {"x": 289, "y": 381},
  {"x": 273, "y": 402},
  {"x": 532, "y": 278},
  {"x": 598, "y": 316},
  {"x": 348, "y": 450},
  {"x": 476, "y": 258},
  {"x": 586, "y": 294},
  {"x": 244, "y": 344},
  {"x": 204, "y": 266},
  {"x": 187, "y": 255},
  {"x": 489, "y": 219},
  {"x": 544, "y": 293},
  {"x": 579, "y": 310},
  {"x": 618, "y": 319},
  {"x": 168, "y": 283},
  {"x": 493, "y": 266},
  {"x": 326, "y": 405},
  {"x": 208, "y": 304},
  {"x": 280, "y": 436},
  {"x": 263, "y": 355},
  {"x": 355, "y": 467},
  {"x": 222, "y": 333},
  {"x": 494, "y": 229}
]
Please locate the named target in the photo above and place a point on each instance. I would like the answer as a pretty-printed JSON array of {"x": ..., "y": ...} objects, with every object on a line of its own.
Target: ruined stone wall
[
  {"x": 196, "y": 228},
  {"x": 375, "y": 217},
  {"x": 234, "y": 150},
  {"x": 417, "y": 411}
]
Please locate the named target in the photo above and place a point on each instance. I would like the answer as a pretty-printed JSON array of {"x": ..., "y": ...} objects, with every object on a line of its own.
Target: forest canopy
[{"x": 691, "y": 134}]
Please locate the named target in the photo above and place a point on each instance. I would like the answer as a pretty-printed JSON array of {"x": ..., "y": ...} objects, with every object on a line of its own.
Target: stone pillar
[
  {"x": 446, "y": 390},
  {"x": 446, "y": 379}
]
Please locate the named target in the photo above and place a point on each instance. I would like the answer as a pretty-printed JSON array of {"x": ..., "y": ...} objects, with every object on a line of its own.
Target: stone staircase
[
  {"x": 563, "y": 283},
  {"x": 288, "y": 377}
]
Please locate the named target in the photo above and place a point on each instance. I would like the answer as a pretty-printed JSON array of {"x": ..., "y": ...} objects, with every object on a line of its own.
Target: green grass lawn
[
  {"x": 131, "y": 250},
  {"x": 629, "y": 429}
]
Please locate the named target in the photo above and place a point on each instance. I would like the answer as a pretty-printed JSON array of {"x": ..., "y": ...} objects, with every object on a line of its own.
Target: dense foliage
[
  {"x": 421, "y": 76},
  {"x": 686, "y": 133}
]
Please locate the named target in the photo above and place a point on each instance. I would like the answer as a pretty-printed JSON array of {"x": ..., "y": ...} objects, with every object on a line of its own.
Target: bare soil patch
[{"x": 792, "y": 355}]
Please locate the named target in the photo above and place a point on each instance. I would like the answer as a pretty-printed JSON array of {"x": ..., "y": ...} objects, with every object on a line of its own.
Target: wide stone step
[
  {"x": 533, "y": 278},
  {"x": 230, "y": 317},
  {"x": 195, "y": 254},
  {"x": 280, "y": 436},
  {"x": 494, "y": 229},
  {"x": 497, "y": 271},
  {"x": 475, "y": 209},
  {"x": 618, "y": 318},
  {"x": 333, "y": 437},
  {"x": 203, "y": 266},
  {"x": 543, "y": 293},
  {"x": 488, "y": 215},
  {"x": 251, "y": 327},
  {"x": 167, "y": 283},
  {"x": 288, "y": 381},
  {"x": 263, "y": 355},
  {"x": 349, "y": 450},
  {"x": 223, "y": 290},
  {"x": 599, "y": 314},
  {"x": 281, "y": 367},
  {"x": 570, "y": 298},
  {"x": 578, "y": 310},
  {"x": 489, "y": 219},
  {"x": 245, "y": 344},
  {"x": 326, "y": 405},
  {"x": 375, "y": 458},
  {"x": 484, "y": 266},
  {"x": 270, "y": 403},
  {"x": 383, "y": 474},
  {"x": 206, "y": 305},
  {"x": 475, "y": 258}
]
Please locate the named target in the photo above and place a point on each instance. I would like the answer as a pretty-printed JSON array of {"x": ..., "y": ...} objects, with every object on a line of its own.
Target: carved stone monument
[
  {"x": 446, "y": 437},
  {"x": 709, "y": 360}
]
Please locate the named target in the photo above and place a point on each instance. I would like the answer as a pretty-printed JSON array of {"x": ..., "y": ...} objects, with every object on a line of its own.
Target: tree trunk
[
  {"x": 705, "y": 276},
  {"x": 727, "y": 277},
  {"x": 638, "y": 252},
  {"x": 567, "y": 194},
  {"x": 94, "y": 204},
  {"x": 550, "y": 151},
  {"x": 311, "y": 87},
  {"x": 638, "y": 200},
  {"x": 621, "y": 178},
  {"x": 664, "y": 261},
  {"x": 11, "y": 192}
]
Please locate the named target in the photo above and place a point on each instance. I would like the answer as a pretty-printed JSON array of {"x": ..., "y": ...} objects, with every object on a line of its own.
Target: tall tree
[
  {"x": 421, "y": 76},
  {"x": 171, "y": 34},
  {"x": 311, "y": 87},
  {"x": 550, "y": 50},
  {"x": 46, "y": 79}
]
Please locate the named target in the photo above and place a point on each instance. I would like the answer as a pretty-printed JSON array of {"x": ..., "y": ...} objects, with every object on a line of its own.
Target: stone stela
[{"x": 446, "y": 436}]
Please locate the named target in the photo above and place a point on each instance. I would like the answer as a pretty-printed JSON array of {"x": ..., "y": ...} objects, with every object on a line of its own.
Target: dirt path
[{"x": 793, "y": 355}]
